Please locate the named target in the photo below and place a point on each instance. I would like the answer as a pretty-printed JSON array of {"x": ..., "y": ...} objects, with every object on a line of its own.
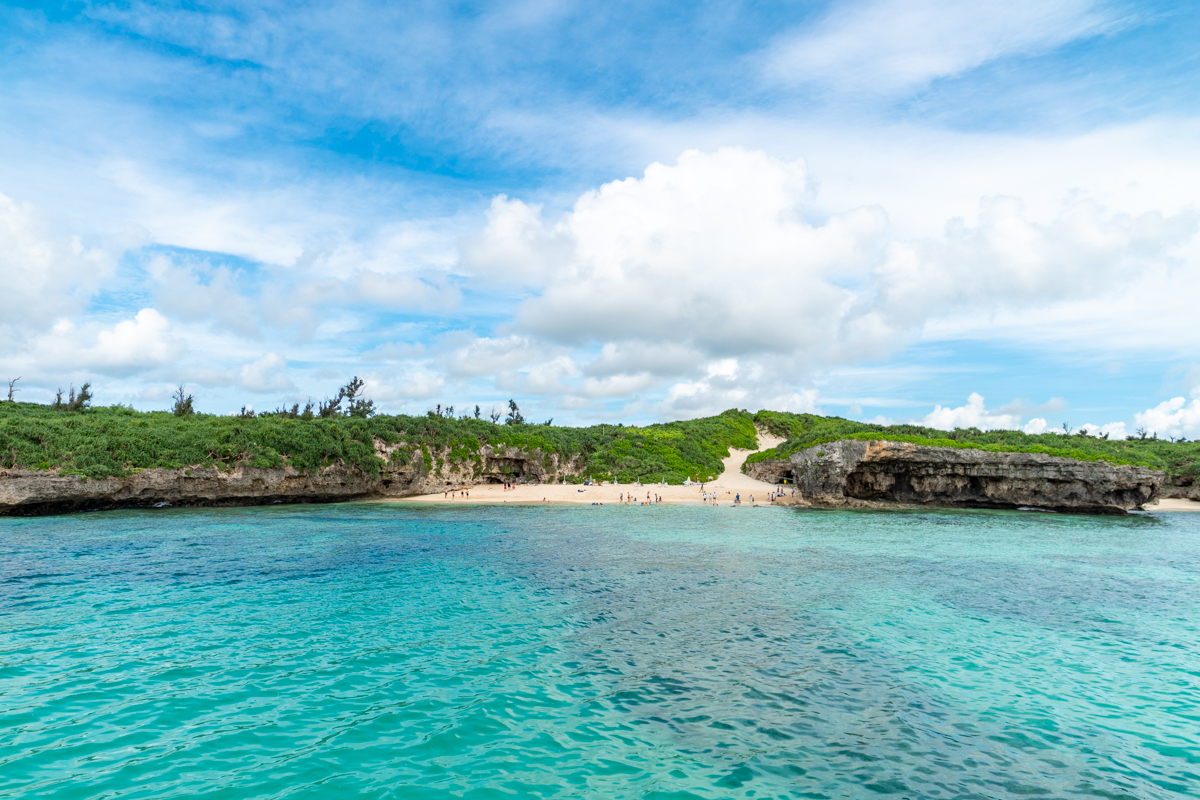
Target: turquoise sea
[{"x": 610, "y": 652}]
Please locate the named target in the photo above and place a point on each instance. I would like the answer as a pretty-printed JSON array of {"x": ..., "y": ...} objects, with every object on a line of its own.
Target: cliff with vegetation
[
  {"x": 858, "y": 472},
  {"x": 70, "y": 457},
  {"x": 1178, "y": 461},
  {"x": 54, "y": 460}
]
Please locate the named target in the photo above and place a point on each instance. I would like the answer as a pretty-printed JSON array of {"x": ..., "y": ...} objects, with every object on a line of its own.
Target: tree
[
  {"x": 13, "y": 383},
  {"x": 183, "y": 403},
  {"x": 330, "y": 408},
  {"x": 514, "y": 414},
  {"x": 495, "y": 415},
  {"x": 476, "y": 405},
  {"x": 75, "y": 402},
  {"x": 357, "y": 405},
  {"x": 82, "y": 400}
]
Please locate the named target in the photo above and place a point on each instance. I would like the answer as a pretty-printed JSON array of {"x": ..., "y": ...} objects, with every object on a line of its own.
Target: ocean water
[{"x": 611, "y": 652}]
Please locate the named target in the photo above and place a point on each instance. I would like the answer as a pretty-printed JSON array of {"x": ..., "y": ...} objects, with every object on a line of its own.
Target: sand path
[
  {"x": 734, "y": 478},
  {"x": 727, "y": 486}
]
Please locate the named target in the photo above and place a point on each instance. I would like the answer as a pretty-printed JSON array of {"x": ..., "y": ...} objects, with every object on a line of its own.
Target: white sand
[
  {"x": 727, "y": 486},
  {"x": 1173, "y": 504}
]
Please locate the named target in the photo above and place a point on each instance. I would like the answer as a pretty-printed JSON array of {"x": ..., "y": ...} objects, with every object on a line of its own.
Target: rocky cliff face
[
  {"x": 866, "y": 473},
  {"x": 404, "y": 473},
  {"x": 1190, "y": 491}
]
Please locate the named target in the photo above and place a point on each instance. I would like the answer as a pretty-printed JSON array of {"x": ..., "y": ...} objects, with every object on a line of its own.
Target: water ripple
[{"x": 600, "y": 652}]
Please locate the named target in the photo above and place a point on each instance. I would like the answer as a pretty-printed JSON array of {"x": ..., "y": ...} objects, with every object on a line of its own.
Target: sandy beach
[
  {"x": 1172, "y": 504},
  {"x": 726, "y": 487}
]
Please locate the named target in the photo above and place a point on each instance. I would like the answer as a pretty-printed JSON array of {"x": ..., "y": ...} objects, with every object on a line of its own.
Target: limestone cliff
[
  {"x": 867, "y": 473},
  {"x": 404, "y": 471},
  {"x": 1181, "y": 491}
]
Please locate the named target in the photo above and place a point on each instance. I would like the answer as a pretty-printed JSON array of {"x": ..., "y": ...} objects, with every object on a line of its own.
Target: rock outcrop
[
  {"x": 405, "y": 471},
  {"x": 877, "y": 473},
  {"x": 27, "y": 492},
  {"x": 1178, "y": 491}
]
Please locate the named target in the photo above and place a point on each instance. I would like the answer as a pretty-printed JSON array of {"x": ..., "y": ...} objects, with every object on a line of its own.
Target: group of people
[
  {"x": 452, "y": 493},
  {"x": 651, "y": 499},
  {"x": 711, "y": 497}
]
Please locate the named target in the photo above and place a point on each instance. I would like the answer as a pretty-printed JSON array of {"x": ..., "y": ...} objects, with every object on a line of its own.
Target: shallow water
[{"x": 616, "y": 652}]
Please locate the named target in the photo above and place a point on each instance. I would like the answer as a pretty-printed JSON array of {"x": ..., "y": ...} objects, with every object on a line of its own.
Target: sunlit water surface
[{"x": 615, "y": 652}]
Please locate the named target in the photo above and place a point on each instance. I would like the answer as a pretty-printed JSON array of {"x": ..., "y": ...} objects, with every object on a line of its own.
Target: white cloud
[
  {"x": 723, "y": 261},
  {"x": 184, "y": 293},
  {"x": 1009, "y": 260},
  {"x": 128, "y": 347},
  {"x": 1035, "y": 426},
  {"x": 883, "y": 46},
  {"x": 1172, "y": 418},
  {"x": 1113, "y": 430},
  {"x": 267, "y": 374},
  {"x": 141, "y": 342},
  {"x": 697, "y": 270},
  {"x": 972, "y": 415},
  {"x": 713, "y": 252},
  {"x": 47, "y": 273},
  {"x": 802, "y": 402},
  {"x": 472, "y": 357}
]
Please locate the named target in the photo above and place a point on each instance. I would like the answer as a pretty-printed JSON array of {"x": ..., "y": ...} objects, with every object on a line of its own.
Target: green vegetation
[
  {"x": 1181, "y": 460},
  {"x": 73, "y": 438},
  {"x": 99, "y": 442}
]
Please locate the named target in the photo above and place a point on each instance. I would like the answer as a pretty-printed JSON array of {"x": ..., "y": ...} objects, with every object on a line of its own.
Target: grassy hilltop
[{"x": 99, "y": 442}]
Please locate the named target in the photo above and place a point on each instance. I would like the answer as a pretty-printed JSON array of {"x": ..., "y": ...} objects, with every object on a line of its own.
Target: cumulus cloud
[
  {"x": 707, "y": 261},
  {"x": 972, "y": 415},
  {"x": 1009, "y": 260},
  {"x": 267, "y": 374},
  {"x": 724, "y": 258},
  {"x": 47, "y": 272},
  {"x": 190, "y": 289},
  {"x": 892, "y": 45},
  {"x": 1035, "y": 426},
  {"x": 469, "y": 356},
  {"x": 1172, "y": 418},
  {"x": 128, "y": 347},
  {"x": 713, "y": 252},
  {"x": 1113, "y": 430}
]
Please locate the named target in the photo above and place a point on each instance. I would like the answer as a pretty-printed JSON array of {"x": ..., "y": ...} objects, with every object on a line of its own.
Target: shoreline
[{"x": 620, "y": 494}]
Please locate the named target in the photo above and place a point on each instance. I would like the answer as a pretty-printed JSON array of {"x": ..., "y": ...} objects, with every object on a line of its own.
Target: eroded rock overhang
[{"x": 854, "y": 472}]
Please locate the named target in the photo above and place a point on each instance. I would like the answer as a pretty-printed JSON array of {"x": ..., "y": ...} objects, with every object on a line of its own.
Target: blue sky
[{"x": 633, "y": 211}]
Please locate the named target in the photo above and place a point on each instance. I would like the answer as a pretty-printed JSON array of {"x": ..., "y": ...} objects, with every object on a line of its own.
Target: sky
[{"x": 937, "y": 211}]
